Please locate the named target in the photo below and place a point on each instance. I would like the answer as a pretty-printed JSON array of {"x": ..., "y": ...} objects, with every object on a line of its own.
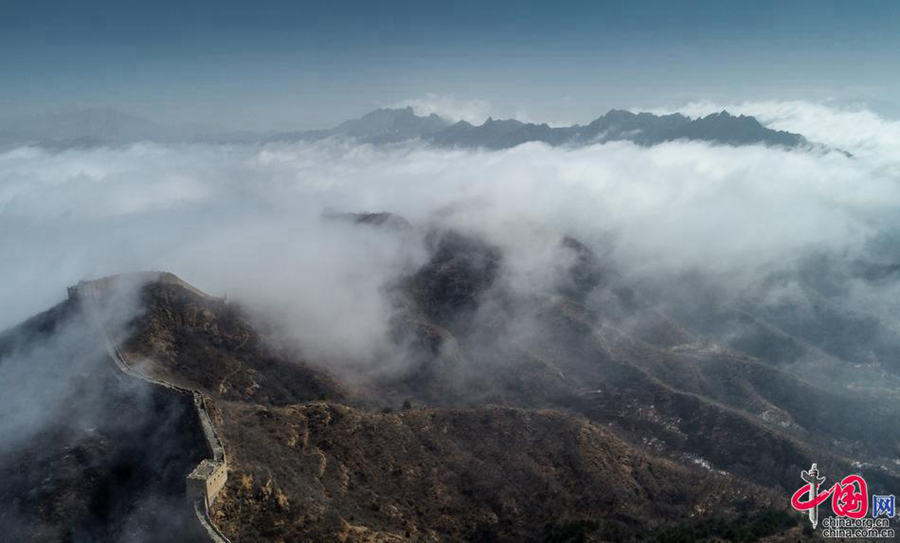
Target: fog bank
[{"x": 246, "y": 220}]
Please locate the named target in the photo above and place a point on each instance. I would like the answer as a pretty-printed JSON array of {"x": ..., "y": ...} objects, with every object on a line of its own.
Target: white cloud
[
  {"x": 852, "y": 129},
  {"x": 246, "y": 219}
]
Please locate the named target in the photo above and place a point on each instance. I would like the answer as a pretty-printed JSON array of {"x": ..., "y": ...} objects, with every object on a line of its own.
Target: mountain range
[
  {"x": 585, "y": 412},
  {"x": 92, "y": 127}
]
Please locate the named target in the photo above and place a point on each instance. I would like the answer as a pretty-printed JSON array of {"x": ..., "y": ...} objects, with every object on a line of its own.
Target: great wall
[{"x": 208, "y": 478}]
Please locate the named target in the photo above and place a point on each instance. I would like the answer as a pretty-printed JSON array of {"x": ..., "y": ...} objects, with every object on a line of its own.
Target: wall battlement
[{"x": 205, "y": 482}]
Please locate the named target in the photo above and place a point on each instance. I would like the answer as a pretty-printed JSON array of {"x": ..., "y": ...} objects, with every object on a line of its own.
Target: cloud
[
  {"x": 246, "y": 219},
  {"x": 66, "y": 408},
  {"x": 449, "y": 107},
  {"x": 851, "y": 128},
  {"x": 49, "y": 372}
]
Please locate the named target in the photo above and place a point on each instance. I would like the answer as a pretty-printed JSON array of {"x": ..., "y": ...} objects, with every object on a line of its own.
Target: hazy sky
[{"x": 295, "y": 64}]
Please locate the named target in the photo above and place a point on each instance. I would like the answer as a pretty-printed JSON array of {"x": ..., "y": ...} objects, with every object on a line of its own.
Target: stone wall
[{"x": 205, "y": 482}]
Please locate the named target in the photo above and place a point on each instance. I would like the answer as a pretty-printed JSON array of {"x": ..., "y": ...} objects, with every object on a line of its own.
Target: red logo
[{"x": 849, "y": 496}]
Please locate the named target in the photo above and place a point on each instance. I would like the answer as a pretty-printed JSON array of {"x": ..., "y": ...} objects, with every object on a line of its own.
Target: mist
[
  {"x": 107, "y": 454},
  {"x": 687, "y": 248},
  {"x": 247, "y": 220}
]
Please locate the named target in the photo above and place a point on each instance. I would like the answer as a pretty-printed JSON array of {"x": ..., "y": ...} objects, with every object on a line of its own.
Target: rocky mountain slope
[
  {"x": 88, "y": 455},
  {"x": 579, "y": 412},
  {"x": 325, "y": 464}
]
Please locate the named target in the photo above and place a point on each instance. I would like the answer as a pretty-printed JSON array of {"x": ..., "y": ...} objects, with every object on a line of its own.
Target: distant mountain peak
[
  {"x": 390, "y": 112},
  {"x": 393, "y": 125},
  {"x": 619, "y": 114}
]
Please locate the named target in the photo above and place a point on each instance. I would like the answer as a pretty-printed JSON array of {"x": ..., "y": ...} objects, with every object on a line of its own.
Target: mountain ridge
[
  {"x": 98, "y": 127},
  {"x": 616, "y": 125},
  {"x": 608, "y": 418}
]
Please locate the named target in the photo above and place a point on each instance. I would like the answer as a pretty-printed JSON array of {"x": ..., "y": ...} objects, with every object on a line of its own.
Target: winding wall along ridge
[{"x": 209, "y": 477}]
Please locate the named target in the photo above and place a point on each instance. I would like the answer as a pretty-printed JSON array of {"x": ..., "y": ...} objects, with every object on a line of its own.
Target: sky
[{"x": 275, "y": 65}]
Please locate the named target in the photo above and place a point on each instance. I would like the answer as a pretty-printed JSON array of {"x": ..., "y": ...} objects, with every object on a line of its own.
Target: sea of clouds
[{"x": 246, "y": 220}]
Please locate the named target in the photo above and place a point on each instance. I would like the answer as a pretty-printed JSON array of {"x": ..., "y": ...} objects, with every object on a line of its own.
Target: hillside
[
  {"x": 638, "y": 380},
  {"x": 518, "y": 416},
  {"x": 310, "y": 466},
  {"x": 89, "y": 456}
]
